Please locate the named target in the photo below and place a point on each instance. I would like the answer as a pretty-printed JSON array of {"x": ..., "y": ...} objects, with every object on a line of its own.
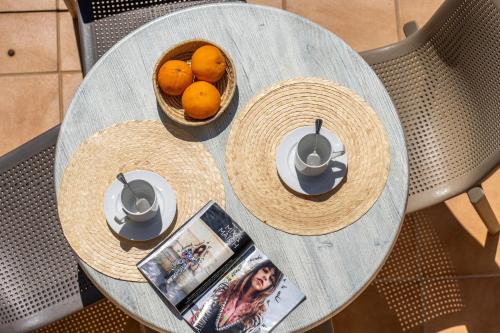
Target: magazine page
[
  {"x": 180, "y": 264},
  {"x": 253, "y": 296}
]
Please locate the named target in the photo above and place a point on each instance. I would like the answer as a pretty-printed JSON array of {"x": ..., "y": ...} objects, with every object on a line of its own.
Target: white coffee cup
[
  {"x": 139, "y": 200},
  {"x": 324, "y": 149}
]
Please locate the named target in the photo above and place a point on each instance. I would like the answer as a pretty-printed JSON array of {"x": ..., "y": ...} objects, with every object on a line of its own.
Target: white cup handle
[
  {"x": 122, "y": 219},
  {"x": 336, "y": 154}
]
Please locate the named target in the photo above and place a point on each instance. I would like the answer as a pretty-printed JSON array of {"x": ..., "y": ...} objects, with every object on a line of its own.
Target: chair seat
[{"x": 40, "y": 277}]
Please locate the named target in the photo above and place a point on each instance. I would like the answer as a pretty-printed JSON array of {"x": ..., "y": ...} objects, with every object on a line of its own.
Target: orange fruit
[
  {"x": 174, "y": 77},
  {"x": 208, "y": 63},
  {"x": 201, "y": 100}
]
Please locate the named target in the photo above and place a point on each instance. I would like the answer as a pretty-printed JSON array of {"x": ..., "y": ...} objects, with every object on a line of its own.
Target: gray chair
[
  {"x": 102, "y": 23},
  {"x": 40, "y": 277},
  {"x": 445, "y": 83}
]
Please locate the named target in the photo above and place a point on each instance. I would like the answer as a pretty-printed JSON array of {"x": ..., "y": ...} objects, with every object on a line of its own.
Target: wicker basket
[{"x": 172, "y": 105}]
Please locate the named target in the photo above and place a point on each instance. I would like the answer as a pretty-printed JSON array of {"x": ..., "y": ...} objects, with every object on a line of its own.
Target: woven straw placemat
[
  {"x": 146, "y": 145},
  {"x": 258, "y": 130}
]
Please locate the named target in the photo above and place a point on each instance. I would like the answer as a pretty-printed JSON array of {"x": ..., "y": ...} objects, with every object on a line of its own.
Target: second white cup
[
  {"x": 324, "y": 149},
  {"x": 139, "y": 200}
]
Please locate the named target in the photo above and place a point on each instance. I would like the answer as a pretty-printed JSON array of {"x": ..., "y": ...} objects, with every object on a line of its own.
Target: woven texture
[
  {"x": 447, "y": 92},
  {"x": 172, "y": 105},
  {"x": 116, "y": 18},
  {"x": 28, "y": 221},
  {"x": 173, "y": 154},
  {"x": 38, "y": 271},
  {"x": 260, "y": 127},
  {"x": 103, "y": 317}
]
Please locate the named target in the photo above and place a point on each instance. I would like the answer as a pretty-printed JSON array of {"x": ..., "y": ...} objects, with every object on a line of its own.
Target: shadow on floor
[
  {"x": 101, "y": 317},
  {"x": 438, "y": 278}
]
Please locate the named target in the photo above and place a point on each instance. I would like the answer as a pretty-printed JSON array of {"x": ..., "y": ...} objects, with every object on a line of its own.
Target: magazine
[{"x": 215, "y": 277}]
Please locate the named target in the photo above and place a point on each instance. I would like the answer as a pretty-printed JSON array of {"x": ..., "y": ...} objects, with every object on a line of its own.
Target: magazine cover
[
  {"x": 193, "y": 253},
  {"x": 253, "y": 296},
  {"x": 217, "y": 279}
]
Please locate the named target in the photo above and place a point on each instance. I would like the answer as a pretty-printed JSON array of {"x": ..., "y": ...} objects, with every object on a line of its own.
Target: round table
[{"x": 267, "y": 45}]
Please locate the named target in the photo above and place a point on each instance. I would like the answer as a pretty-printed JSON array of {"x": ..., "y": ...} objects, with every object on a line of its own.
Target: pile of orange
[{"x": 200, "y": 98}]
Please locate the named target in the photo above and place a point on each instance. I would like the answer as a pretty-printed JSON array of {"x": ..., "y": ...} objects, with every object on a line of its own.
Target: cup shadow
[
  {"x": 130, "y": 228},
  {"x": 127, "y": 244},
  {"x": 311, "y": 184}
]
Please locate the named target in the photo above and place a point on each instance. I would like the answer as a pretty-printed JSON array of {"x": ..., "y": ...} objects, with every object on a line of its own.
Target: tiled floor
[
  {"x": 38, "y": 80},
  {"x": 100, "y": 317},
  {"x": 443, "y": 274}
]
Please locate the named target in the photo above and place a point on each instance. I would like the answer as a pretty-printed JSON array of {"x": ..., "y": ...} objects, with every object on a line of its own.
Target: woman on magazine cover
[
  {"x": 190, "y": 258},
  {"x": 240, "y": 305}
]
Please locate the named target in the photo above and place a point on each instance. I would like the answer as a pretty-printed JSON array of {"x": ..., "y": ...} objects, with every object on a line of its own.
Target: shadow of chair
[
  {"x": 429, "y": 281},
  {"x": 101, "y": 317}
]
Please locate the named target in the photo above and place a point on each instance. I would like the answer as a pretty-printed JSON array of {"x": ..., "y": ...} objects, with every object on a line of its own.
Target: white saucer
[
  {"x": 309, "y": 185},
  {"x": 140, "y": 231}
]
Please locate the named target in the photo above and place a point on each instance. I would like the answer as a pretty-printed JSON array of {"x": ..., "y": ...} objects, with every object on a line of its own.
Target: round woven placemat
[
  {"x": 146, "y": 145},
  {"x": 258, "y": 130}
]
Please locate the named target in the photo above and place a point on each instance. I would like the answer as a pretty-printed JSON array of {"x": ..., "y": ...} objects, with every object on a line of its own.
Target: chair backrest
[
  {"x": 445, "y": 83},
  {"x": 39, "y": 276},
  {"x": 102, "y": 23}
]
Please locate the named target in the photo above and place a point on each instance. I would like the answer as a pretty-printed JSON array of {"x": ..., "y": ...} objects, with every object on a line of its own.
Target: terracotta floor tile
[
  {"x": 24, "y": 5},
  {"x": 436, "y": 305},
  {"x": 418, "y": 252},
  {"x": 454, "y": 329},
  {"x": 70, "y": 82},
  {"x": 419, "y": 11},
  {"x": 29, "y": 105},
  {"x": 33, "y": 37},
  {"x": 431, "y": 305},
  {"x": 388, "y": 307},
  {"x": 404, "y": 261},
  {"x": 481, "y": 300},
  {"x": 464, "y": 237},
  {"x": 61, "y": 5},
  {"x": 435, "y": 259},
  {"x": 364, "y": 24},
  {"x": 101, "y": 317},
  {"x": 272, "y": 3},
  {"x": 69, "y": 61},
  {"x": 417, "y": 285},
  {"x": 441, "y": 297}
]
